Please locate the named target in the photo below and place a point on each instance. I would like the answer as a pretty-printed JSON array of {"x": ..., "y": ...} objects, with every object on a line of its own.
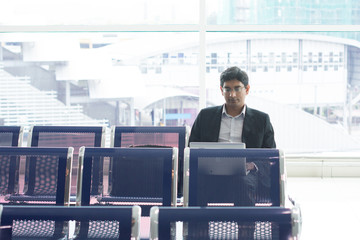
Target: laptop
[
  {"x": 218, "y": 145},
  {"x": 222, "y": 166}
]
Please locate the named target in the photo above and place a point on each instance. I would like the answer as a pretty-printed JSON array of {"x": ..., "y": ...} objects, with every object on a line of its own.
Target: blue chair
[
  {"x": 11, "y": 136},
  {"x": 67, "y": 136},
  {"x": 154, "y": 136},
  {"x": 129, "y": 176},
  {"x": 57, "y": 222},
  {"x": 218, "y": 177},
  {"x": 46, "y": 178},
  {"x": 276, "y": 223}
]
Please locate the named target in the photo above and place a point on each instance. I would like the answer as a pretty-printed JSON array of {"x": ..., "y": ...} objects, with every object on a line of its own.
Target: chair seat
[
  {"x": 29, "y": 198},
  {"x": 130, "y": 199}
]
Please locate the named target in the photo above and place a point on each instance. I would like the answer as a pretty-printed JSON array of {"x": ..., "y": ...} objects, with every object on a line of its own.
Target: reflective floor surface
[{"x": 330, "y": 207}]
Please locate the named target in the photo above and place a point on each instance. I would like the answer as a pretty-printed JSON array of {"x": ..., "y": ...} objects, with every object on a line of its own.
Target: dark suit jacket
[{"x": 257, "y": 130}]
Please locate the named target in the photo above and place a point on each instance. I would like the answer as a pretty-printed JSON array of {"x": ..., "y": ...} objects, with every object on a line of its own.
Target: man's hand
[{"x": 251, "y": 166}]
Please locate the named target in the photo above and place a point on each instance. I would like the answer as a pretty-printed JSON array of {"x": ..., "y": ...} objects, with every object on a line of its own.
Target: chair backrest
[
  {"x": 198, "y": 223},
  {"x": 135, "y": 176},
  {"x": 67, "y": 136},
  {"x": 47, "y": 175},
  {"x": 172, "y": 136},
  {"x": 11, "y": 136},
  {"x": 52, "y": 222},
  {"x": 216, "y": 177}
]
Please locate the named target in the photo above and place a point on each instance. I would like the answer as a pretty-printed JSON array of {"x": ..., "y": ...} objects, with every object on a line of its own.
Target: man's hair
[{"x": 234, "y": 73}]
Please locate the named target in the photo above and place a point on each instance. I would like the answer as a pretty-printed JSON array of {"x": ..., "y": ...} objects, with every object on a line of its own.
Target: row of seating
[
  {"x": 113, "y": 175},
  {"x": 147, "y": 177},
  {"x": 110, "y": 222},
  {"x": 94, "y": 136},
  {"x": 59, "y": 222}
]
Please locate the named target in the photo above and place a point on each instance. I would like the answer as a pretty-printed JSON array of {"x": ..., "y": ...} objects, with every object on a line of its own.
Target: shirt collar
[{"x": 242, "y": 112}]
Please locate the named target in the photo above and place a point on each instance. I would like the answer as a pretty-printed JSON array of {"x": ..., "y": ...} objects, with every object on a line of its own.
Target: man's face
[{"x": 234, "y": 93}]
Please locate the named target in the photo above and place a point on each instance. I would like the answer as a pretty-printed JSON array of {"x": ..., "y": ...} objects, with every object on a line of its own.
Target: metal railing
[{"x": 326, "y": 165}]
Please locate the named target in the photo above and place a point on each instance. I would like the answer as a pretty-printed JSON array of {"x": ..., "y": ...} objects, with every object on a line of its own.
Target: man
[{"x": 235, "y": 122}]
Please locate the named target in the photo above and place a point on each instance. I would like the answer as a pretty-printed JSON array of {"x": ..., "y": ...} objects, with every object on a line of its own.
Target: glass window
[
  {"x": 126, "y": 73},
  {"x": 285, "y": 85},
  {"x": 132, "y": 63},
  {"x": 105, "y": 12},
  {"x": 304, "y": 12}
]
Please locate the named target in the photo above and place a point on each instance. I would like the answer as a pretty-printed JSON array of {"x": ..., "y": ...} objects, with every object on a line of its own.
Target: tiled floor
[{"x": 330, "y": 207}]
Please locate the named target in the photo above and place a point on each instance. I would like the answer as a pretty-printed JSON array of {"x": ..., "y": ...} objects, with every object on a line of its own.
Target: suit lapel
[
  {"x": 246, "y": 132},
  {"x": 217, "y": 123}
]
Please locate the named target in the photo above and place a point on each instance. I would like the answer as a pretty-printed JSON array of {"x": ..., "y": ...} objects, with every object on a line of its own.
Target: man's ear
[
  {"x": 221, "y": 89},
  {"x": 247, "y": 89}
]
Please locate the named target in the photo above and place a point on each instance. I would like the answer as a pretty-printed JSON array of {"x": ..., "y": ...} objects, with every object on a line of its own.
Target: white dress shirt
[{"x": 231, "y": 127}]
